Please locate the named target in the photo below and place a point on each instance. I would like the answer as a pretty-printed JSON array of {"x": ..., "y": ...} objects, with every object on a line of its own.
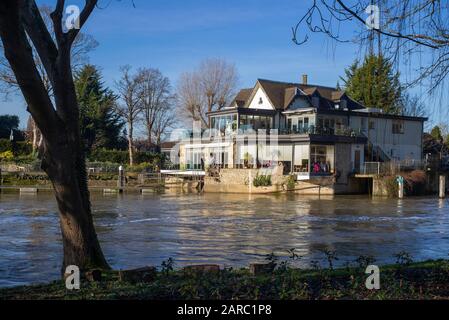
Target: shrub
[
  {"x": 392, "y": 186},
  {"x": 415, "y": 182},
  {"x": 262, "y": 181},
  {"x": 291, "y": 183},
  {"x": 23, "y": 148},
  {"x": 144, "y": 166},
  {"x": 105, "y": 155},
  {"x": 5, "y": 145},
  {"x": 122, "y": 157},
  {"x": 6, "y": 156},
  {"x": 104, "y": 166},
  {"x": 149, "y": 157}
]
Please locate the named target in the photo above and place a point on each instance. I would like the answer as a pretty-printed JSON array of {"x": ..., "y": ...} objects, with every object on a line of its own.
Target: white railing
[
  {"x": 391, "y": 167},
  {"x": 369, "y": 168}
]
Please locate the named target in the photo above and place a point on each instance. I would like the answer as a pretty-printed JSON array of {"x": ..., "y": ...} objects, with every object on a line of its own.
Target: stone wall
[
  {"x": 317, "y": 186},
  {"x": 241, "y": 181},
  {"x": 380, "y": 188}
]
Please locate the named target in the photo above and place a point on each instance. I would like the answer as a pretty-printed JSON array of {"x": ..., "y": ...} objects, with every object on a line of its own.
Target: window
[
  {"x": 300, "y": 124},
  {"x": 306, "y": 123},
  {"x": 260, "y": 100},
  {"x": 224, "y": 124},
  {"x": 372, "y": 125},
  {"x": 363, "y": 123},
  {"x": 321, "y": 159},
  {"x": 398, "y": 127}
]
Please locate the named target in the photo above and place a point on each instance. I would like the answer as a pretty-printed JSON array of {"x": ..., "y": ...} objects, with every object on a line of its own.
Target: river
[{"x": 230, "y": 230}]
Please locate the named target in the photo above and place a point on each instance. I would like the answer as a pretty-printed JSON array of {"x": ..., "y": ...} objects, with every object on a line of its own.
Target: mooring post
[
  {"x": 400, "y": 181},
  {"x": 121, "y": 178},
  {"x": 442, "y": 186}
]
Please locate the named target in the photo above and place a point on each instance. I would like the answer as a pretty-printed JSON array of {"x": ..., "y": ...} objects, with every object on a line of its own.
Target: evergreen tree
[
  {"x": 436, "y": 133},
  {"x": 374, "y": 84},
  {"x": 101, "y": 126},
  {"x": 8, "y": 123}
]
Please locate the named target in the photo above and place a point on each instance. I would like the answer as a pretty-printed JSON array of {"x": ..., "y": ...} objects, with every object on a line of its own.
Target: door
[{"x": 357, "y": 158}]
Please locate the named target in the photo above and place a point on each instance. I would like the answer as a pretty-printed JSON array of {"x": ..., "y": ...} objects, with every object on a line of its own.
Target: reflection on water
[{"x": 230, "y": 230}]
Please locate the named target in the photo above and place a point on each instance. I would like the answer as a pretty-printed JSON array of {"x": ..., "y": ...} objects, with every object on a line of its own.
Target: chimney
[{"x": 304, "y": 79}]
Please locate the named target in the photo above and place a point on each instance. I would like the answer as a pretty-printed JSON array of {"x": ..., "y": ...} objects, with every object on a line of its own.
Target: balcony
[{"x": 323, "y": 131}]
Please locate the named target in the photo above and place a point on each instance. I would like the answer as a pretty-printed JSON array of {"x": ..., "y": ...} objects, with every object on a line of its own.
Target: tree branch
[
  {"x": 19, "y": 54},
  {"x": 39, "y": 35},
  {"x": 56, "y": 17},
  {"x": 412, "y": 38},
  {"x": 84, "y": 15}
]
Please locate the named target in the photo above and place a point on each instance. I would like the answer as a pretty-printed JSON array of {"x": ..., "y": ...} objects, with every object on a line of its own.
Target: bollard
[
  {"x": 401, "y": 190},
  {"x": 400, "y": 181},
  {"x": 442, "y": 186},
  {"x": 121, "y": 178}
]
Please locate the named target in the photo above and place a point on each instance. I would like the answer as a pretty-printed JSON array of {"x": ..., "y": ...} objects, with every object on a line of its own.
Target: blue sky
[{"x": 175, "y": 36}]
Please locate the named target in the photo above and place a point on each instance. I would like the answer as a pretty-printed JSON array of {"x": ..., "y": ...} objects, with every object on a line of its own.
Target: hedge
[
  {"x": 23, "y": 148},
  {"x": 122, "y": 157}
]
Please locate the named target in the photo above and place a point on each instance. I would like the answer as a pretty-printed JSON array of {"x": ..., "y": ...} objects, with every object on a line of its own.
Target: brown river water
[{"x": 230, "y": 230}]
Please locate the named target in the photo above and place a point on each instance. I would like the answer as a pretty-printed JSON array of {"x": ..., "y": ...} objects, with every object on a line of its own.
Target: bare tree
[
  {"x": 130, "y": 104},
  {"x": 416, "y": 31},
  {"x": 82, "y": 45},
  {"x": 33, "y": 134},
  {"x": 156, "y": 98},
  {"x": 57, "y": 116},
  {"x": 191, "y": 100},
  {"x": 209, "y": 88},
  {"x": 164, "y": 122},
  {"x": 411, "y": 105}
]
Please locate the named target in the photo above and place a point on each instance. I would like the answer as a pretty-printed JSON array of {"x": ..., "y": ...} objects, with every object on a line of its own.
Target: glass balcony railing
[
  {"x": 310, "y": 130},
  {"x": 324, "y": 131}
]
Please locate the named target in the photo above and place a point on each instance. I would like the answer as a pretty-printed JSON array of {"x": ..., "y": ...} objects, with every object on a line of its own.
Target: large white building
[{"x": 313, "y": 130}]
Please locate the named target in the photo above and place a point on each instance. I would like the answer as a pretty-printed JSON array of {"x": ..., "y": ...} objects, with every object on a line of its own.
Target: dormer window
[{"x": 260, "y": 100}]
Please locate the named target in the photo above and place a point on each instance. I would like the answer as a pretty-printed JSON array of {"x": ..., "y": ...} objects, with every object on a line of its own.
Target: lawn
[{"x": 405, "y": 280}]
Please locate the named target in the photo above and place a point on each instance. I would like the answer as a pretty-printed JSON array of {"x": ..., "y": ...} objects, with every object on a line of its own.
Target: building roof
[
  {"x": 241, "y": 97},
  {"x": 282, "y": 94},
  {"x": 168, "y": 144}
]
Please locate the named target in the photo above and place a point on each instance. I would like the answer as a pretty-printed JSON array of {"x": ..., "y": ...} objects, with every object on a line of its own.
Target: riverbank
[{"x": 405, "y": 280}]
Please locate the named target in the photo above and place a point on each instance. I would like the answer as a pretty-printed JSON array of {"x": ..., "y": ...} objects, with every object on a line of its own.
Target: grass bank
[{"x": 405, "y": 280}]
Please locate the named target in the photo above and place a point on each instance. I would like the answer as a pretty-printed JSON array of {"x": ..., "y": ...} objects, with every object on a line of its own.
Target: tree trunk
[
  {"x": 58, "y": 122},
  {"x": 41, "y": 140},
  {"x": 65, "y": 166},
  {"x": 130, "y": 144},
  {"x": 34, "y": 130},
  {"x": 149, "y": 134}
]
